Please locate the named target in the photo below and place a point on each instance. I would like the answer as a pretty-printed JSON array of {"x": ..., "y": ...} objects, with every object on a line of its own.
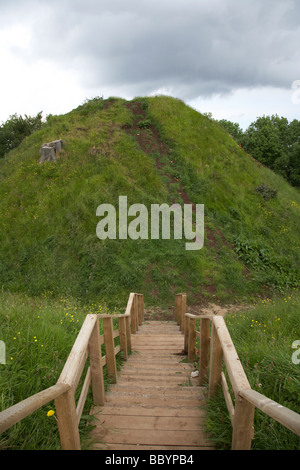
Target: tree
[
  {"x": 264, "y": 139},
  {"x": 15, "y": 129},
  {"x": 234, "y": 129},
  {"x": 273, "y": 141}
]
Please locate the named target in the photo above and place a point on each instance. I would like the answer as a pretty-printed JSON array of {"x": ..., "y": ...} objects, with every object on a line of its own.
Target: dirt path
[{"x": 167, "y": 314}]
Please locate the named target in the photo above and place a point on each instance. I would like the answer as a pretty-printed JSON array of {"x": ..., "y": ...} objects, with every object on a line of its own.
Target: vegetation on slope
[
  {"x": 256, "y": 210},
  {"x": 168, "y": 153},
  {"x": 152, "y": 150}
]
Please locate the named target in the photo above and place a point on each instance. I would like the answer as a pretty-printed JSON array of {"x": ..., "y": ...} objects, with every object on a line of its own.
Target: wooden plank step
[
  {"x": 150, "y": 407},
  {"x": 159, "y": 374},
  {"x": 150, "y": 437},
  {"x": 159, "y": 353},
  {"x": 144, "y": 399},
  {"x": 168, "y": 362},
  {"x": 149, "y": 380},
  {"x": 163, "y": 366},
  {"x": 126, "y": 409},
  {"x": 151, "y": 344},
  {"x": 155, "y": 390},
  {"x": 160, "y": 347},
  {"x": 161, "y": 423},
  {"x": 149, "y": 447}
]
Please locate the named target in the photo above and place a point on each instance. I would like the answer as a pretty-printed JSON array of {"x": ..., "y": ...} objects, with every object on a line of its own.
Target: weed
[{"x": 266, "y": 192}]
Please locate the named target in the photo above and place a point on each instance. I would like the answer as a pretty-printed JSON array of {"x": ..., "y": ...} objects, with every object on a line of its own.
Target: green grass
[
  {"x": 39, "y": 334},
  {"x": 263, "y": 337},
  {"x": 215, "y": 171},
  {"x": 48, "y": 217},
  {"x": 51, "y": 258}
]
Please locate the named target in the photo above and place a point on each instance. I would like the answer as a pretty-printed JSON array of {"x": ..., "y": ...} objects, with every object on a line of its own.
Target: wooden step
[
  {"x": 107, "y": 447},
  {"x": 175, "y": 423},
  {"x": 144, "y": 410},
  {"x": 150, "y": 437},
  {"x": 152, "y": 406},
  {"x": 177, "y": 379},
  {"x": 145, "y": 400}
]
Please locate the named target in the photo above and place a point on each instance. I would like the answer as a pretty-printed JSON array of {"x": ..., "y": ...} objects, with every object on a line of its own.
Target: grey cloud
[{"x": 199, "y": 48}]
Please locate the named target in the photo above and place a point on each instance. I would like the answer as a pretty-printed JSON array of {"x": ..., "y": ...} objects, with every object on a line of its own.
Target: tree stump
[
  {"x": 48, "y": 154},
  {"x": 48, "y": 151}
]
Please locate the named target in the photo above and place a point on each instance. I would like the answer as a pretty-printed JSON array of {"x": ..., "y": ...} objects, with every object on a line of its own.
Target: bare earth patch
[{"x": 168, "y": 313}]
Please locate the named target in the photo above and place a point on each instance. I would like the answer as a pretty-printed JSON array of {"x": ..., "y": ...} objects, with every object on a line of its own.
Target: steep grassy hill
[{"x": 152, "y": 150}]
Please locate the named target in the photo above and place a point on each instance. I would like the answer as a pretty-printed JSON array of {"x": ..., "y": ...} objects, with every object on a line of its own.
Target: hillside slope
[{"x": 152, "y": 150}]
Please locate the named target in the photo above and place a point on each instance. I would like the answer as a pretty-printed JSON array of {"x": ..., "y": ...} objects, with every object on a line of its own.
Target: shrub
[{"x": 266, "y": 192}]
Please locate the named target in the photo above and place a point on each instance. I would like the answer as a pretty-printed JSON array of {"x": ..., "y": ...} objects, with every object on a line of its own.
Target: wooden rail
[
  {"x": 87, "y": 345},
  {"x": 216, "y": 347}
]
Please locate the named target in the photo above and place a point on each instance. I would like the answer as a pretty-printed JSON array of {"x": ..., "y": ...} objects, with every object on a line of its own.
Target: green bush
[{"x": 15, "y": 129}]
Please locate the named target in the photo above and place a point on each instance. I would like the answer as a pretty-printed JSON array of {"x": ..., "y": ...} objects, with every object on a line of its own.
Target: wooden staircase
[{"x": 155, "y": 405}]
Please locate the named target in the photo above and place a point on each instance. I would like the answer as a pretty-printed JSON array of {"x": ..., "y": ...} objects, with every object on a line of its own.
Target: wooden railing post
[
  {"x": 186, "y": 333},
  {"x": 123, "y": 337},
  {"x": 96, "y": 366},
  {"x": 204, "y": 350},
  {"x": 242, "y": 434},
  {"x": 136, "y": 310},
  {"x": 67, "y": 421},
  {"x": 140, "y": 309},
  {"x": 192, "y": 339},
  {"x": 110, "y": 349},
  {"x": 143, "y": 307},
  {"x": 178, "y": 309},
  {"x": 128, "y": 332},
  {"x": 216, "y": 355},
  {"x": 183, "y": 312},
  {"x": 134, "y": 320}
]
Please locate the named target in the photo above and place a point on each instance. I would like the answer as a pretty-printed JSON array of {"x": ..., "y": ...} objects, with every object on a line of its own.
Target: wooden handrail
[
  {"x": 24, "y": 408},
  {"x": 283, "y": 415},
  {"x": 87, "y": 344},
  {"x": 233, "y": 364},
  {"x": 216, "y": 347},
  {"x": 75, "y": 363}
]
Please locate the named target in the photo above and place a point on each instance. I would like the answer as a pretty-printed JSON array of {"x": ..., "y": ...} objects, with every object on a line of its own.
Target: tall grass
[
  {"x": 263, "y": 337},
  {"x": 38, "y": 334},
  {"x": 215, "y": 171},
  {"x": 48, "y": 212}
]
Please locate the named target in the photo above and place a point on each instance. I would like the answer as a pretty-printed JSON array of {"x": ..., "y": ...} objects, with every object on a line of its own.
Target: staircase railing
[
  {"x": 87, "y": 345},
  {"x": 216, "y": 347}
]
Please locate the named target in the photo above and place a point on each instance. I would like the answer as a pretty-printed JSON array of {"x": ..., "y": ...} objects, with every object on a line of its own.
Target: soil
[
  {"x": 168, "y": 313},
  {"x": 150, "y": 142}
]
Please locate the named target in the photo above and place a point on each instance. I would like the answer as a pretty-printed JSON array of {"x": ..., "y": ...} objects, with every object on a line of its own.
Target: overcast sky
[{"x": 236, "y": 59}]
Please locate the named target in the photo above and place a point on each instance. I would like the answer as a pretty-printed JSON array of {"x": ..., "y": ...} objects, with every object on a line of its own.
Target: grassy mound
[
  {"x": 54, "y": 269},
  {"x": 152, "y": 150}
]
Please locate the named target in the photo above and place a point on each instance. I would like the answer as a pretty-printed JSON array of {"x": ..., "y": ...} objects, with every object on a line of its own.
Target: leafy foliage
[
  {"x": 278, "y": 273},
  {"x": 266, "y": 192},
  {"x": 273, "y": 141},
  {"x": 15, "y": 129}
]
